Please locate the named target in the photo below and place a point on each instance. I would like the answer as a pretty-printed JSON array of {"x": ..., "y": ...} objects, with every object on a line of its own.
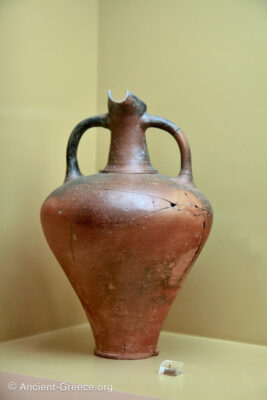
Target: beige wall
[
  {"x": 199, "y": 63},
  {"x": 48, "y": 74},
  {"x": 203, "y": 65}
]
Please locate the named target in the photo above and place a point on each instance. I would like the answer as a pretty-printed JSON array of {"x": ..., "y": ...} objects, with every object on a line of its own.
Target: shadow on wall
[
  {"x": 39, "y": 297},
  {"x": 34, "y": 303}
]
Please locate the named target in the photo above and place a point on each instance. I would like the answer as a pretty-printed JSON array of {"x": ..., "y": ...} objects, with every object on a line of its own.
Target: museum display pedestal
[{"x": 213, "y": 369}]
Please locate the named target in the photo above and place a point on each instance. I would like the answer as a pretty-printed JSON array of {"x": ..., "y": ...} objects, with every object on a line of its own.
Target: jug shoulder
[{"x": 117, "y": 196}]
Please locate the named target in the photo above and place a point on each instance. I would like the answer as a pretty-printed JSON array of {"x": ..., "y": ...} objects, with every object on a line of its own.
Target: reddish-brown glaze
[{"x": 126, "y": 240}]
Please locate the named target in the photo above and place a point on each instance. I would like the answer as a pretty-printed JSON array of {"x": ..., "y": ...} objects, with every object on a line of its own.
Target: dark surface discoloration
[{"x": 126, "y": 237}]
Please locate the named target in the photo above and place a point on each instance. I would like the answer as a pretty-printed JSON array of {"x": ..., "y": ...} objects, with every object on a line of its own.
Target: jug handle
[
  {"x": 152, "y": 121},
  {"x": 73, "y": 170}
]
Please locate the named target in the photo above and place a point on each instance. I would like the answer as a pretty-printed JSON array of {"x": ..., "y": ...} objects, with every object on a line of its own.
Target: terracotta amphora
[{"x": 128, "y": 236}]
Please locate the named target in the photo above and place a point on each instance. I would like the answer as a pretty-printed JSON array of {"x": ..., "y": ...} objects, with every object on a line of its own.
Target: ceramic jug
[{"x": 126, "y": 237}]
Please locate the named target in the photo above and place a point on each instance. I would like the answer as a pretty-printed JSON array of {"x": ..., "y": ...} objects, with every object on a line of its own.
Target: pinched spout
[
  {"x": 128, "y": 150},
  {"x": 130, "y": 104}
]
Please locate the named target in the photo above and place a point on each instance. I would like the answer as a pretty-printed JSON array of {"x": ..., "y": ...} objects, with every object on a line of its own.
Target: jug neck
[{"x": 128, "y": 150}]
